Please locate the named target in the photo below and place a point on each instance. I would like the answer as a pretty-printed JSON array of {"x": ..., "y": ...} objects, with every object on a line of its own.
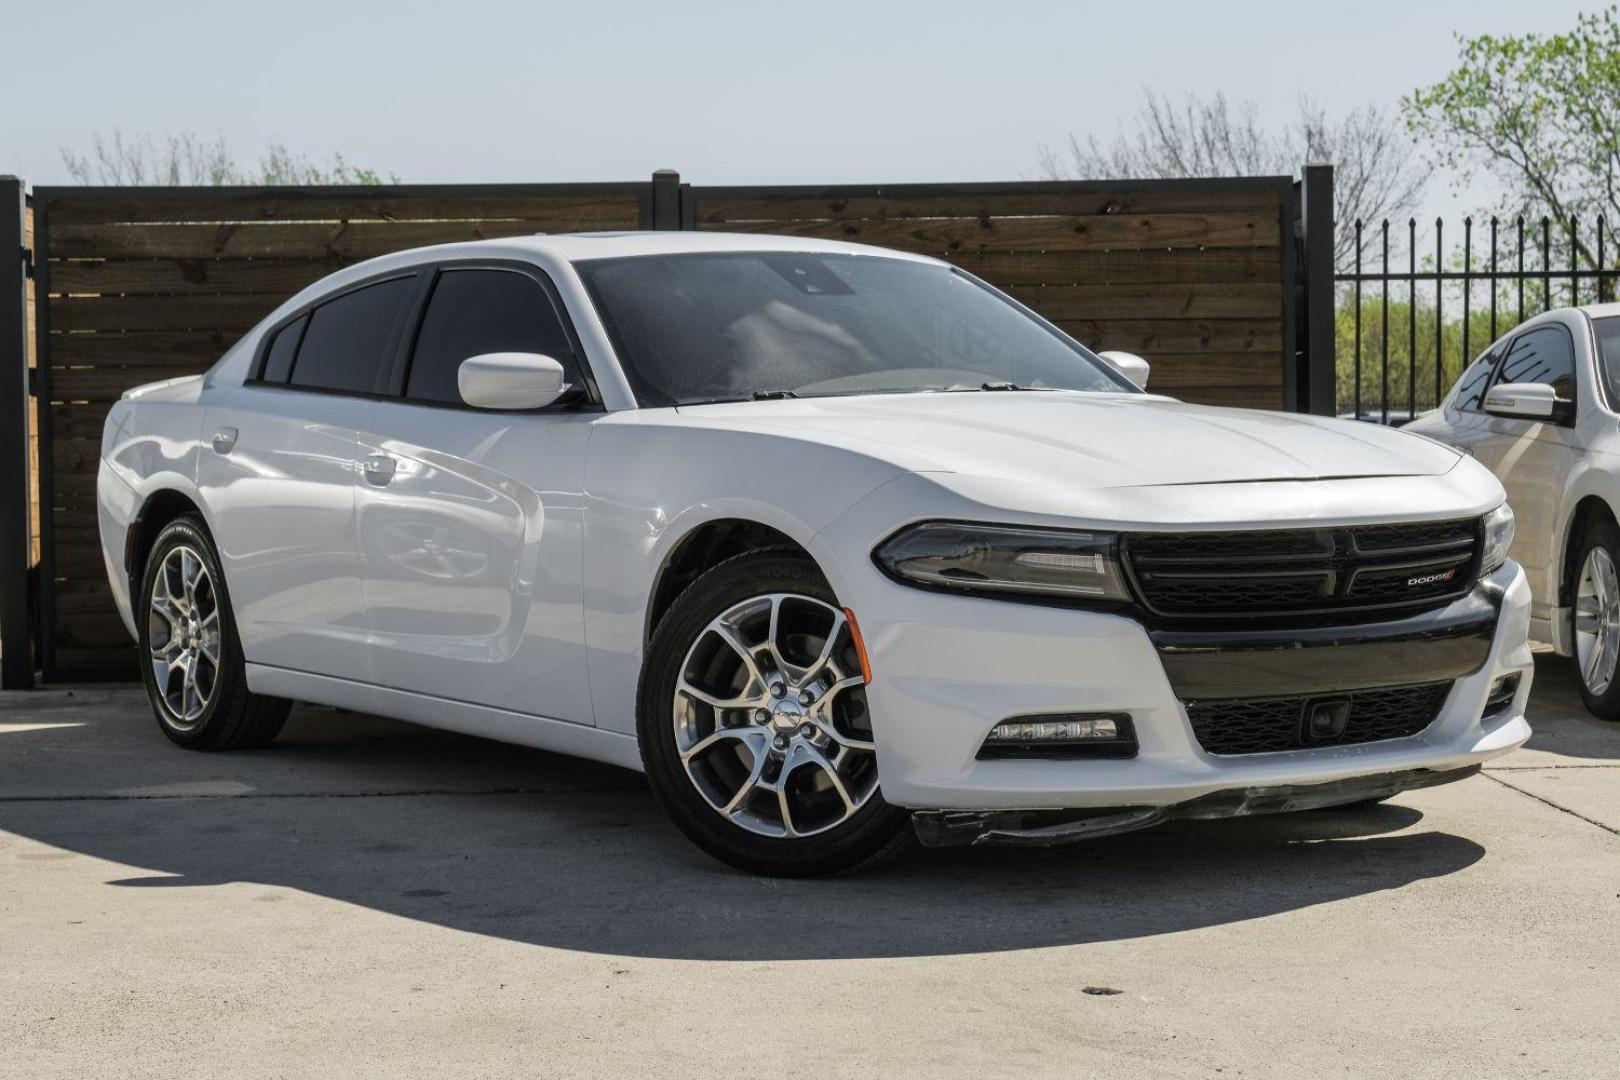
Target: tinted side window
[
  {"x": 1471, "y": 389},
  {"x": 482, "y": 311},
  {"x": 1608, "y": 344},
  {"x": 1545, "y": 355},
  {"x": 346, "y": 341},
  {"x": 278, "y": 359}
]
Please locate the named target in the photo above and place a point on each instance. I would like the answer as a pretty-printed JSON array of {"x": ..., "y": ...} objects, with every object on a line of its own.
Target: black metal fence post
[
  {"x": 667, "y": 194},
  {"x": 1321, "y": 360},
  {"x": 16, "y": 650}
]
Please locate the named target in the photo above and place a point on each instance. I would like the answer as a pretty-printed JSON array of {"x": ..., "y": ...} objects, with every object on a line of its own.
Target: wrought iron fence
[{"x": 1404, "y": 335}]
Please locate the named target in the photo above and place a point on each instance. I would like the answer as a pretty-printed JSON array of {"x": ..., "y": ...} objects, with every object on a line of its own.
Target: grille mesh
[
  {"x": 1265, "y": 725},
  {"x": 1295, "y": 571}
]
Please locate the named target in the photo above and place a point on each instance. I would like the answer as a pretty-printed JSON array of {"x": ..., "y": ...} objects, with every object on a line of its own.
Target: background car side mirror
[
  {"x": 1130, "y": 365},
  {"x": 1526, "y": 401},
  {"x": 510, "y": 380}
]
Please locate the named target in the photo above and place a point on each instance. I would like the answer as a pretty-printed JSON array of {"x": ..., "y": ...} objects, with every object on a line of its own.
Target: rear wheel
[
  {"x": 193, "y": 666},
  {"x": 754, "y": 728},
  {"x": 1596, "y": 617}
]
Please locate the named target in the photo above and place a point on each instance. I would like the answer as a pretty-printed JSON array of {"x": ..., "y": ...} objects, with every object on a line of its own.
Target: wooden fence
[
  {"x": 142, "y": 284},
  {"x": 1192, "y": 275}
]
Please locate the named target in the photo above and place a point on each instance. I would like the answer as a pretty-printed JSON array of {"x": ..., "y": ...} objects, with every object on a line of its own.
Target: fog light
[
  {"x": 1051, "y": 730},
  {"x": 1503, "y": 691},
  {"x": 1062, "y": 735}
]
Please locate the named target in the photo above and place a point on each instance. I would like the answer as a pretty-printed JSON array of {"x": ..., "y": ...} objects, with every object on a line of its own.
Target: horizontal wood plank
[
  {"x": 96, "y": 665},
  {"x": 1121, "y": 231},
  {"x": 226, "y": 204},
  {"x": 226, "y": 314},
  {"x": 867, "y": 206},
  {"x": 187, "y": 277},
  {"x": 106, "y": 383},
  {"x": 1161, "y": 301},
  {"x": 193, "y": 350},
  {"x": 1172, "y": 372},
  {"x": 304, "y": 240},
  {"x": 1155, "y": 336},
  {"x": 1170, "y": 266}
]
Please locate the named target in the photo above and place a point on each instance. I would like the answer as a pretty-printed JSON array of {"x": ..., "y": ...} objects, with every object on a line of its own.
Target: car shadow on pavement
[
  {"x": 538, "y": 848},
  {"x": 1558, "y": 718}
]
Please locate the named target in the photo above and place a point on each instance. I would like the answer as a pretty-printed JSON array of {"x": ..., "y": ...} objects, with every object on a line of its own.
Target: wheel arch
[
  {"x": 704, "y": 545},
  {"x": 157, "y": 509},
  {"x": 1587, "y": 509}
]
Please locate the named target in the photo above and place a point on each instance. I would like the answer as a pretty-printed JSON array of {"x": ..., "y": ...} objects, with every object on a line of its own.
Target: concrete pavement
[{"x": 368, "y": 898}]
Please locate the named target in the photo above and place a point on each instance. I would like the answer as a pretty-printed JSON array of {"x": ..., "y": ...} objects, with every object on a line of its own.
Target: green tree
[
  {"x": 119, "y": 160},
  {"x": 1539, "y": 113}
]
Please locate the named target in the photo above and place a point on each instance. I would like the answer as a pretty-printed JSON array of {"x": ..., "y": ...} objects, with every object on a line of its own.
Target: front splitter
[{"x": 1046, "y": 827}]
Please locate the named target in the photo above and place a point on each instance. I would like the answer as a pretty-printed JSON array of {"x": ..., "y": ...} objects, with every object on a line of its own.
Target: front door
[
  {"x": 1533, "y": 458},
  {"x": 469, "y": 521}
]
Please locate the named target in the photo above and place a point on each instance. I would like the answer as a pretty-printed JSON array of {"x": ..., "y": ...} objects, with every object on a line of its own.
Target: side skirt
[{"x": 540, "y": 732}]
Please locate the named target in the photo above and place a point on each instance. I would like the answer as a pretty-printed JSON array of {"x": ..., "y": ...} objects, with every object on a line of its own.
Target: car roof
[
  {"x": 1601, "y": 311},
  {"x": 583, "y": 246}
]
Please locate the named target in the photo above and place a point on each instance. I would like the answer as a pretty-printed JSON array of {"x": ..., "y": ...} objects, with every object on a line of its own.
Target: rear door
[
  {"x": 470, "y": 520},
  {"x": 278, "y": 473}
]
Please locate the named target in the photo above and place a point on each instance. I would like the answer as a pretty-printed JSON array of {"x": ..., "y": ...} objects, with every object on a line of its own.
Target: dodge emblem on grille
[{"x": 1430, "y": 579}]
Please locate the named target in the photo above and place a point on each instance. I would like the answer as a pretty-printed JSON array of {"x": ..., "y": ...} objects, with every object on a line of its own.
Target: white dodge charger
[{"x": 839, "y": 545}]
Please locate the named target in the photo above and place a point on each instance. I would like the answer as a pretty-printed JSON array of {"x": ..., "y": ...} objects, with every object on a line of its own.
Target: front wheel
[
  {"x": 1596, "y": 617},
  {"x": 753, "y": 723}
]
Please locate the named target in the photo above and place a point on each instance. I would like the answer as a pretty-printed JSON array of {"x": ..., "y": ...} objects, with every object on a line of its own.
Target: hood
[{"x": 1091, "y": 440}]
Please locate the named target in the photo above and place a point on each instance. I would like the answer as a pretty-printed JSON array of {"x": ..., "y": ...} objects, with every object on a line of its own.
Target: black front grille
[
  {"x": 1266, "y": 725},
  {"x": 1302, "y": 571}
]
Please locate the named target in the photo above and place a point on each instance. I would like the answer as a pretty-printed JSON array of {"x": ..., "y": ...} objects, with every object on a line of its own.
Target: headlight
[
  {"x": 1498, "y": 538},
  {"x": 1006, "y": 558}
]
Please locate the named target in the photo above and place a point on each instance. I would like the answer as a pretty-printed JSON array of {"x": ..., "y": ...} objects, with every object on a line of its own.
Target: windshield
[{"x": 739, "y": 325}]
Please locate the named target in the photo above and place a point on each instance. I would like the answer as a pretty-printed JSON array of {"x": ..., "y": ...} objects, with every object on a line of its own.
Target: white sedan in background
[
  {"x": 1541, "y": 409},
  {"x": 839, "y": 545}
]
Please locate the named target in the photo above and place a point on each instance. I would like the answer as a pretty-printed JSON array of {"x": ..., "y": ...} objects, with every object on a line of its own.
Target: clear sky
[{"x": 762, "y": 92}]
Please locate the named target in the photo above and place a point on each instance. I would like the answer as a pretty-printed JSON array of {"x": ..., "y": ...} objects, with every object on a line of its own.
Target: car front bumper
[{"x": 947, "y": 668}]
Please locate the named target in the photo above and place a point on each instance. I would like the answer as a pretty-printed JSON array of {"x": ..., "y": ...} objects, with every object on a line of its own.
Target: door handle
[
  {"x": 224, "y": 439},
  {"x": 379, "y": 468}
]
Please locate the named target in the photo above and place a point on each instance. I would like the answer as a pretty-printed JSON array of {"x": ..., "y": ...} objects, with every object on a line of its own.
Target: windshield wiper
[{"x": 773, "y": 395}]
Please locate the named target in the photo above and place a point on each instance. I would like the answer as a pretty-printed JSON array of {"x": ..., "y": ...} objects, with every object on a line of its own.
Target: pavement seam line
[
  {"x": 309, "y": 795},
  {"x": 1541, "y": 799}
]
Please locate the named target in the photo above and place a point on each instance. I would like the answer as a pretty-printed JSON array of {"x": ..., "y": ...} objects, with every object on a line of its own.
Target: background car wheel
[
  {"x": 753, "y": 724},
  {"x": 1596, "y": 616},
  {"x": 192, "y": 661}
]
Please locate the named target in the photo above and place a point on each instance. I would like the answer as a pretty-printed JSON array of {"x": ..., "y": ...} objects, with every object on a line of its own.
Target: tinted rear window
[
  {"x": 283, "y": 347},
  {"x": 346, "y": 342},
  {"x": 482, "y": 311}
]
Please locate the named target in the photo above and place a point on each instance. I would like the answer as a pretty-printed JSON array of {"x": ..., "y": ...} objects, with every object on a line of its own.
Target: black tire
[
  {"x": 233, "y": 718},
  {"x": 1605, "y": 534},
  {"x": 873, "y": 834}
]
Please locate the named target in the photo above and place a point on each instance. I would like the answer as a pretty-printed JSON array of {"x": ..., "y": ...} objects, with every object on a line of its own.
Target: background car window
[
  {"x": 1545, "y": 355},
  {"x": 1471, "y": 388},
  {"x": 1607, "y": 332},
  {"x": 347, "y": 339},
  {"x": 482, "y": 311},
  {"x": 279, "y": 358}
]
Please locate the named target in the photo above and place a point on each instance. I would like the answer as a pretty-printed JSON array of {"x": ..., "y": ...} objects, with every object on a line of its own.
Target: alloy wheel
[
  {"x": 770, "y": 717},
  {"x": 182, "y": 636},
  {"x": 1597, "y": 620}
]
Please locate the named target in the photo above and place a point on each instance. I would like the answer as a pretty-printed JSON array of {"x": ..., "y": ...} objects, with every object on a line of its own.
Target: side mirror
[
  {"x": 510, "y": 380},
  {"x": 1524, "y": 401},
  {"x": 1130, "y": 365}
]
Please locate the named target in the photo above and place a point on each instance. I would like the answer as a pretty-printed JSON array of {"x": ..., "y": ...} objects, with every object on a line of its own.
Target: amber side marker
[{"x": 860, "y": 645}]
